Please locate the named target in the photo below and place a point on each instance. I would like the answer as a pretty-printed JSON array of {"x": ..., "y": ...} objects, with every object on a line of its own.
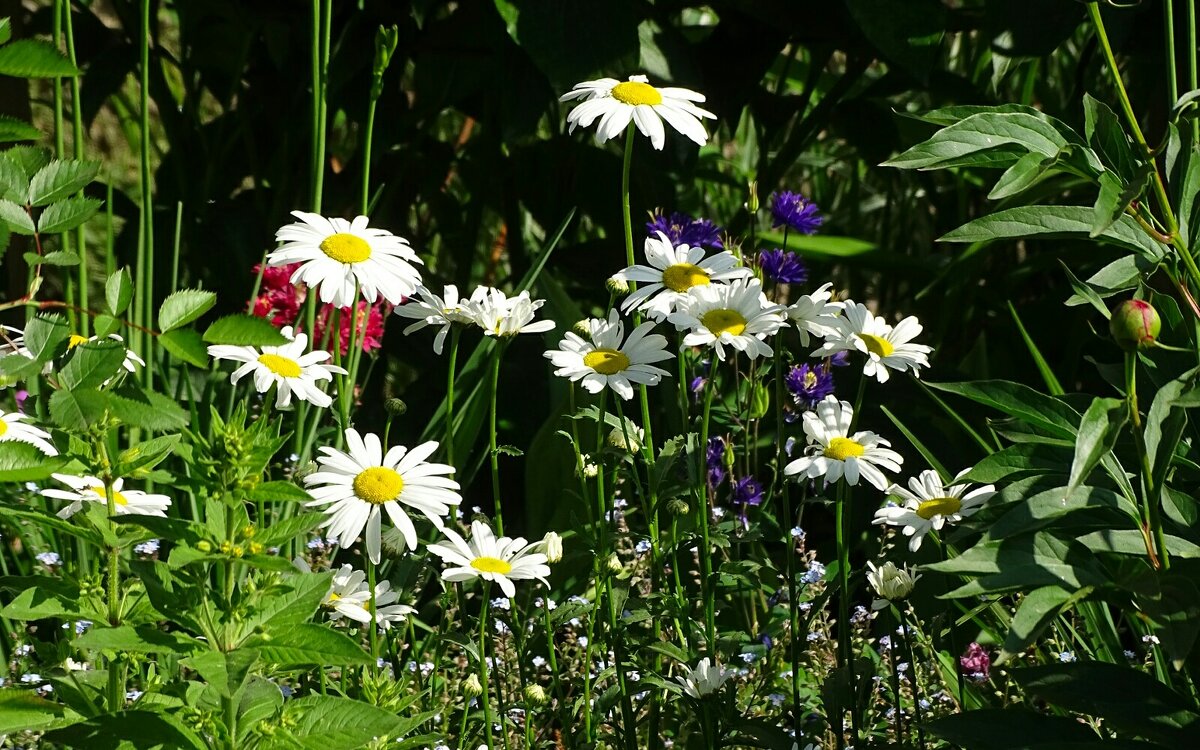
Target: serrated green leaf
[
  {"x": 145, "y": 455},
  {"x": 45, "y": 336},
  {"x": 147, "y": 409},
  {"x": 106, "y": 325},
  {"x": 32, "y": 58},
  {"x": 62, "y": 258},
  {"x": 77, "y": 410},
  {"x": 67, "y": 214},
  {"x": 183, "y": 307},
  {"x": 22, "y": 462},
  {"x": 30, "y": 159},
  {"x": 92, "y": 363},
  {"x": 16, "y": 218},
  {"x": 186, "y": 345},
  {"x": 12, "y": 129},
  {"x": 322, "y": 722},
  {"x": 243, "y": 330},
  {"x": 59, "y": 179},
  {"x": 118, "y": 291},
  {"x": 13, "y": 182}
]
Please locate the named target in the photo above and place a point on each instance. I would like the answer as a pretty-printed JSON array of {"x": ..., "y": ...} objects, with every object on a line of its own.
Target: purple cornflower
[
  {"x": 748, "y": 491},
  {"x": 716, "y": 462},
  {"x": 808, "y": 384},
  {"x": 976, "y": 662},
  {"x": 782, "y": 266},
  {"x": 682, "y": 229},
  {"x": 794, "y": 211}
]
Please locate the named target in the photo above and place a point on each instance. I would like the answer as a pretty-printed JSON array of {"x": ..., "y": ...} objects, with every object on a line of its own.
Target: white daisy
[
  {"x": 12, "y": 429},
  {"x": 342, "y": 257},
  {"x": 502, "y": 560},
  {"x": 886, "y": 347},
  {"x": 737, "y": 315},
  {"x": 616, "y": 103},
  {"x": 350, "y": 597},
  {"x": 288, "y": 367},
  {"x": 356, "y": 485},
  {"x": 705, "y": 679},
  {"x": 131, "y": 363},
  {"x": 833, "y": 453},
  {"x": 929, "y": 505},
  {"x": 503, "y": 316},
  {"x": 91, "y": 490},
  {"x": 607, "y": 361},
  {"x": 814, "y": 314},
  {"x": 672, "y": 272},
  {"x": 891, "y": 583},
  {"x": 443, "y": 312}
]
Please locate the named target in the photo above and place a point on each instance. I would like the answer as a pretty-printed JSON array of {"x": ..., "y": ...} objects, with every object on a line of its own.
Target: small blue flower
[
  {"x": 49, "y": 559},
  {"x": 748, "y": 491},
  {"x": 682, "y": 229},
  {"x": 1067, "y": 656},
  {"x": 795, "y": 211},
  {"x": 81, "y": 626},
  {"x": 642, "y": 547},
  {"x": 716, "y": 461},
  {"x": 782, "y": 266},
  {"x": 808, "y": 385},
  {"x": 148, "y": 547},
  {"x": 814, "y": 574}
]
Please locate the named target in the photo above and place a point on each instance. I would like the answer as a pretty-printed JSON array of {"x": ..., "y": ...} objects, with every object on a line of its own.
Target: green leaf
[
  {"x": 320, "y": 722},
  {"x": 243, "y": 330},
  {"x": 1020, "y": 401},
  {"x": 1054, "y": 221},
  {"x": 61, "y": 258},
  {"x": 1023, "y": 563},
  {"x": 67, "y": 214},
  {"x": 1131, "y": 542},
  {"x": 1119, "y": 276},
  {"x": 22, "y": 711},
  {"x": 45, "y": 335},
  {"x": 31, "y": 58},
  {"x": 30, "y": 159},
  {"x": 292, "y": 606},
  {"x": 1166, "y": 420},
  {"x": 21, "y": 462},
  {"x": 289, "y": 528},
  {"x": 819, "y": 245},
  {"x": 1024, "y": 174},
  {"x": 16, "y": 218},
  {"x": 1098, "y": 432},
  {"x": 123, "y": 730},
  {"x": 143, "y": 639},
  {"x": 145, "y": 455},
  {"x": 979, "y": 132},
  {"x": 1115, "y": 196},
  {"x": 59, "y": 179},
  {"x": 47, "y": 599},
  {"x": 1009, "y": 728},
  {"x": 1043, "y": 507},
  {"x": 12, "y": 129},
  {"x": 185, "y": 345},
  {"x": 5, "y": 30},
  {"x": 1037, "y": 610},
  {"x": 1047, "y": 374},
  {"x": 226, "y": 672},
  {"x": 1104, "y": 132},
  {"x": 279, "y": 491},
  {"x": 79, "y": 409},
  {"x": 183, "y": 307},
  {"x": 92, "y": 363},
  {"x": 118, "y": 291},
  {"x": 13, "y": 182},
  {"x": 147, "y": 409},
  {"x": 105, "y": 325},
  {"x": 308, "y": 645}
]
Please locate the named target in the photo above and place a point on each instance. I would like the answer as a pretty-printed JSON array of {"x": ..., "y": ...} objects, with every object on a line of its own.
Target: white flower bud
[
  {"x": 891, "y": 583},
  {"x": 552, "y": 546},
  {"x": 616, "y": 438}
]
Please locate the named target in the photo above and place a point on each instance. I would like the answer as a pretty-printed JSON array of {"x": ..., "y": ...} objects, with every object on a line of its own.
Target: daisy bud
[
  {"x": 891, "y": 583},
  {"x": 1134, "y": 324},
  {"x": 678, "y": 506},
  {"x": 617, "y": 438},
  {"x": 552, "y": 547},
  {"x": 582, "y": 328},
  {"x": 617, "y": 286},
  {"x": 535, "y": 695},
  {"x": 613, "y": 564},
  {"x": 395, "y": 407},
  {"x": 471, "y": 686}
]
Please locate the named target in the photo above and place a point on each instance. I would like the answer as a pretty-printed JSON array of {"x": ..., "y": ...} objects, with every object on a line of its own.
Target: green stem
[
  {"x": 1193, "y": 51},
  {"x": 625, "y": 168},
  {"x": 367, "y": 138},
  {"x": 322, "y": 21},
  {"x": 710, "y": 627},
  {"x": 916, "y": 675},
  {"x": 77, "y": 133},
  {"x": 373, "y": 626},
  {"x": 1169, "y": 34},
  {"x": 899, "y": 706},
  {"x": 483, "y": 669},
  {"x": 147, "y": 299},
  {"x": 1150, "y": 498},
  {"x": 451, "y": 371},
  {"x": 493, "y": 455}
]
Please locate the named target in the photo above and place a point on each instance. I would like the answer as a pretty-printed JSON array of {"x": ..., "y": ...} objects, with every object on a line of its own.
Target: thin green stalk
[
  {"x": 77, "y": 135},
  {"x": 1150, "y": 498},
  {"x": 710, "y": 626},
  {"x": 322, "y": 29},
  {"x": 493, "y": 455},
  {"x": 625, "y": 168},
  {"x": 1169, "y": 38},
  {"x": 1193, "y": 52},
  {"x": 373, "y": 626},
  {"x": 147, "y": 298},
  {"x": 451, "y": 372},
  {"x": 845, "y": 644},
  {"x": 895, "y": 675},
  {"x": 483, "y": 669},
  {"x": 57, "y": 22},
  {"x": 916, "y": 677},
  {"x": 175, "y": 247},
  {"x": 369, "y": 131}
]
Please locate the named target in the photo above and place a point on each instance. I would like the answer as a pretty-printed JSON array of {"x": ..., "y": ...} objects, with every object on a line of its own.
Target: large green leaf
[
  {"x": 227, "y": 672},
  {"x": 1037, "y": 610},
  {"x": 31, "y": 58},
  {"x": 1104, "y": 132},
  {"x": 1023, "y": 459},
  {"x": 1098, "y": 432},
  {"x": 321, "y": 722},
  {"x": 12, "y": 129},
  {"x": 21, "y": 462},
  {"x": 144, "y": 639},
  {"x": 78, "y": 409},
  {"x": 22, "y": 711},
  {"x": 1006, "y": 729},
  {"x": 307, "y": 645},
  {"x": 243, "y": 330},
  {"x": 67, "y": 214},
  {"x": 1020, "y": 401},
  {"x": 184, "y": 306},
  {"x": 92, "y": 363},
  {"x": 1023, "y": 563},
  {"x": 59, "y": 179},
  {"x": 1048, "y": 222},
  {"x": 123, "y": 730},
  {"x": 1043, "y": 508},
  {"x": 148, "y": 410},
  {"x": 982, "y": 131}
]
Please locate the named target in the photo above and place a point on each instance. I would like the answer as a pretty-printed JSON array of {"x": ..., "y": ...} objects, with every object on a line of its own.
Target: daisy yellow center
[
  {"x": 3, "y": 427},
  {"x": 877, "y": 345},
  {"x": 281, "y": 366},
  {"x": 840, "y": 448},
  {"x": 118, "y": 498},
  {"x": 606, "y": 361},
  {"x": 724, "y": 320},
  {"x": 378, "y": 485},
  {"x": 491, "y": 565},
  {"x": 636, "y": 92},
  {"x": 76, "y": 340},
  {"x": 346, "y": 248},
  {"x": 683, "y": 276},
  {"x": 939, "y": 506},
  {"x": 334, "y": 596}
]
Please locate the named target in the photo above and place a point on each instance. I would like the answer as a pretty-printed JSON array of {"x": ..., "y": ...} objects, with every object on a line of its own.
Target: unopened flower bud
[
  {"x": 582, "y": 328},
  {"x": 535, "y": 695},
  {"x": 616, "y": 438},
  {"x": 471, "y": 686},
  {"x": 204, "y": 546},
  {"x": 617, "y": 286},
  {"x": 891, "y": 583},
  {"x": 613, "y": 564},
  {"x": 752, "y": 200},
  {"x": 395, "y": 407},
  {"x": 552, "y": 547},
  {"x": 678, "y": 506},
  {"x": 1134, "y": 324},
  {"x": 760, "y": 403}
]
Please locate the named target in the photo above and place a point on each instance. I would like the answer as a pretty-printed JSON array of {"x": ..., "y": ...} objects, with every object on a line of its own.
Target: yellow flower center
[
  {"x": 635, "y": 93},
  {"x": 491, "y": 565},
  {"x": 840, "y": 448},
  {"x": 810, "y": 380},
  {"x": 3, "y": 427},
  {"x": 877, "y": 345},
  {"x": 334, "y": 596},
  {"x": 346, "y": 248},
  {"x": 76, "y": 340},
  {"x": 939, "y": 506},
  {"x": 281, "y": 366},
  {"x": 683, "y": 276},
  {"x": 606, "y": 361},
  {"x": 378, "y": 485},
  {"x": 118, "y": 498},
  {"x": 724, "y": 320}
]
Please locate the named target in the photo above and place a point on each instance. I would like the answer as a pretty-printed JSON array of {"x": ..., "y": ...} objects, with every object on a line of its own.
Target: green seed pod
[
  {"x": 1134, "y": 325},
  {"x": 760, "y": 404},
  {"x": 395, "y": 407}
]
